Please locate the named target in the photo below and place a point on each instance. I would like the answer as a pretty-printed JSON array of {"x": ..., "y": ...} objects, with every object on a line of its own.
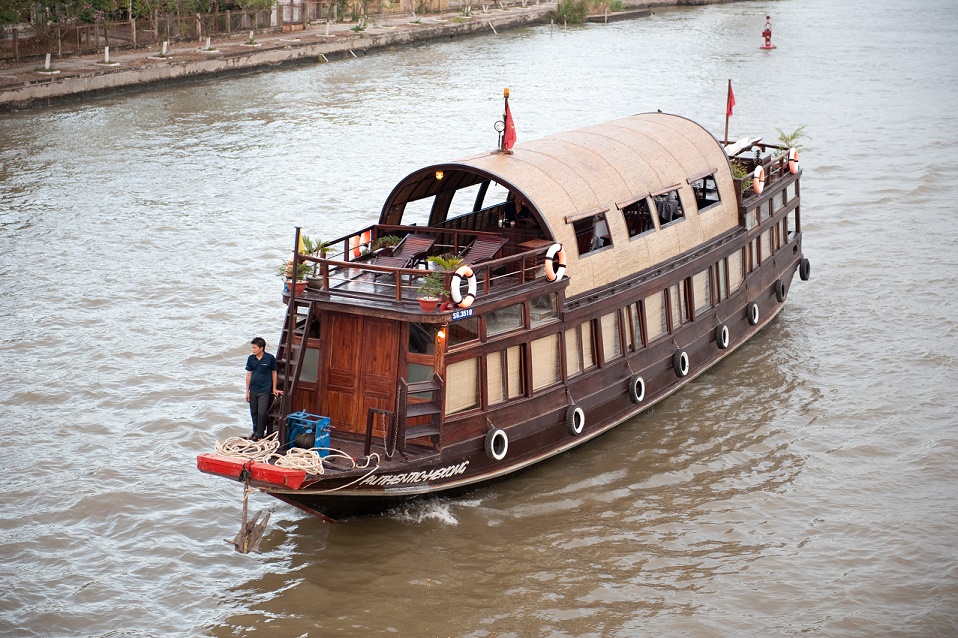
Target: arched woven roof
[{"x": 567, "y": 175}]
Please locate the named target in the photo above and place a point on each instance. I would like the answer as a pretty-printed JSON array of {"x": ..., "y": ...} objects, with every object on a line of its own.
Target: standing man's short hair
[{"x": 259, "y": 342}]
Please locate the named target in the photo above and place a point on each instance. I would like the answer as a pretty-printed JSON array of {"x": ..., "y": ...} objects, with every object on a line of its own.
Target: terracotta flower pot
[{"x": 429, "y": 304}]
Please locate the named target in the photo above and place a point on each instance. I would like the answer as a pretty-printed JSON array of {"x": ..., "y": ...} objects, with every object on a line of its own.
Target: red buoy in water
[{"x": 767, "y": 34}]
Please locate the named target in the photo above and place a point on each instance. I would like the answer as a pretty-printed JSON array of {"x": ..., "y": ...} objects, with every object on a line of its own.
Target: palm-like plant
[{"x": 790, "y": 140}]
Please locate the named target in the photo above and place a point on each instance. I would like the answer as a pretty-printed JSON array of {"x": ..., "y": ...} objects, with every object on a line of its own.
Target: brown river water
[{"x": 808, "y": 485}]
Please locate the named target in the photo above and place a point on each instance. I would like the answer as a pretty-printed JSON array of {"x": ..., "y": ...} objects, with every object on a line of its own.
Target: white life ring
[
  {"x": 793, "y": 160},
  {"x": 456, "y": 293},
  {"x": 555, "y": 253},
  {"x": 497, "y": 444},
  {"x": 758, "y": 179},
  {"x": 680, "y": 363},
  {"x": 574, "y": 420}
]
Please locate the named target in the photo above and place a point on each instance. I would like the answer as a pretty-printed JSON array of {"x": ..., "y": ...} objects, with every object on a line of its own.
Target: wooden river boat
[{"x": 636, "y": 263}]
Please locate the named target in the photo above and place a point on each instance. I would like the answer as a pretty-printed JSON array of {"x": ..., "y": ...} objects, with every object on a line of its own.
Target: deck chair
[
  {"x": 482, "y": 249},
  {"x": 404, "y": 255}
]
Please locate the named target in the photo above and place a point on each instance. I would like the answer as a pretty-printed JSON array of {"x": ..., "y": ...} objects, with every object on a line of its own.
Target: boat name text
[
  {"x": 416, "y": 477},
  {"x": 461, "y": 314}
]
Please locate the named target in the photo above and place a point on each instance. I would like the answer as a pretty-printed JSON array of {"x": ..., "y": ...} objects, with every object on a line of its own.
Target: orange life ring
[
  {"x": 356, "y": 242},
  {"x": 555, "y": 254},
  {"x": 792, "y": 160},
  {"x": 758, "y": 179},
  {"x": 456, "y": 293}
]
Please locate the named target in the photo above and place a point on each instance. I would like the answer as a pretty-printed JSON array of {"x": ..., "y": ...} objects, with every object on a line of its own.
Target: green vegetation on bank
[{"x": 576, "y": 11}]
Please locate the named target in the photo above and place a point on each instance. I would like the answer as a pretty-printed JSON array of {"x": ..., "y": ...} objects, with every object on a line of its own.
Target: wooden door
[{"x": 362, "y": 356}]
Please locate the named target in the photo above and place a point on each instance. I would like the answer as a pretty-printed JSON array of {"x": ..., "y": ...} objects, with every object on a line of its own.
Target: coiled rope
[{"x": 259, "y": 451}]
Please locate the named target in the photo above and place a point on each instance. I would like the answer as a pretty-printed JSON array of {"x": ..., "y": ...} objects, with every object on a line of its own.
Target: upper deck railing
[{"x": 349, "y": 270}]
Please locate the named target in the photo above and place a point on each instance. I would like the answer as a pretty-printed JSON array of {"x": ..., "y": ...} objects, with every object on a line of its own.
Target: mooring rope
[{"x": 259, "y": 451}]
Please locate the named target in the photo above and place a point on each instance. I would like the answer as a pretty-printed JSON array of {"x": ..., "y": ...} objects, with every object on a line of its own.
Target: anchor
[
  {"x": 251, "y": 532},
  {"x": 767, "y": 34}
]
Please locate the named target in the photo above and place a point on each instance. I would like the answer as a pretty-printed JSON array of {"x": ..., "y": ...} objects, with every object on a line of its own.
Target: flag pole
[
  {"x": 728, "y": 102},
  {"x": 505, "y": 119}
]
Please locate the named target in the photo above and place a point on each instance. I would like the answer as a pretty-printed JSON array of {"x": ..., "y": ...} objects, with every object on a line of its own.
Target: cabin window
[
  {"x": 591, "y": 234},
  {"x": 656, "y": 322},
  {"x": 677, "y": 303},
  {"x": 751, "y": 258},
  {"x": 504, "y": 375},
  {"x": 669, "y": 207},
  {"x": 611, "y": 344},
  {"x": 791, "y": 192},
  {"x": 543, "y": 309},
  {"x": 462, "y": 386},
  {"x": 310, "y": 371},
  {"x": 463, "y": 331},
  {"x": 735, "y": 272},
  {"x": 638, "y": 218},
  {"x": 751, "y": 219},
  {"x": 767, "y": 209},
  {"x": 504, "y": 320},
  {"x": 545, "y": 362},
  {"x": 634, "y": 318},
  {"x": 579, "y": 353},
  {"x": 422, "y": 338},
  {"x": 767, "y": 247},
  {"x": 721, "y": 283},
  {"x": 701, "y": 292},
  {"x": 706, "y": 192}
]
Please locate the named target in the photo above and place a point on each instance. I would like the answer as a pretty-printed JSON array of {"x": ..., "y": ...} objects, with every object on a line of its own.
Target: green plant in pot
[
  {"x": 432, "y": 292},
  {"x": 386, "y": 241},
  {"x": 445, "y": 263}
]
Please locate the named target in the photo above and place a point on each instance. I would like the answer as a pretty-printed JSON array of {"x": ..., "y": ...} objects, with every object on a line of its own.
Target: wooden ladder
[
  {"x": 431, "y": 408},
  {"x": 289, "y": 366}
]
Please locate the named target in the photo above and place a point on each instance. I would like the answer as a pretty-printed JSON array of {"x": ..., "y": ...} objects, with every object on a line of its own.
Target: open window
[
  {"x": 638, "y": 217},
  {"x": 706, "y": 191},
  {"x": 591, "y": 230},
  {"x": 668, "y": 205}
]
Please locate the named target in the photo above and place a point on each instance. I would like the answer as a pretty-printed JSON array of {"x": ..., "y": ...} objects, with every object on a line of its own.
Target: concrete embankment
[{"x": 25, "y": 85}]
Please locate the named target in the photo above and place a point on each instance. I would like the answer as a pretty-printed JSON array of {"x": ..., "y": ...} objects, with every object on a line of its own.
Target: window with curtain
[
  {"x": 679, "y": 308},
  {"x": 462, "y": 386},
  {"x": 545, "y": 362},
  {"x": 611, "y": 344},
  {"x": 701, "y": 292},
  {"x": 656, "y": 321},
  {"x": 735, "y": 270}
]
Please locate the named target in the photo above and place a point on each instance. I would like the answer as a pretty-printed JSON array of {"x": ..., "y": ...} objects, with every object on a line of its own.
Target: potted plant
[
  {"x": 432, "y": 292},
  {"x": 285, "y": 271},
  {"x": 386, "y": 241}
]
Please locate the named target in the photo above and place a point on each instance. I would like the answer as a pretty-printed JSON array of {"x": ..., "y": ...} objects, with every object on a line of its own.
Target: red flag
[
  {"x": 509, "y": 135},
  {"x": 731, "y": 100}
]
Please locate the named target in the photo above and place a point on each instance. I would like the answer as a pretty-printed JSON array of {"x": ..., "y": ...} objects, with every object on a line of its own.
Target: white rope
[{"x": 259, "y": 451}]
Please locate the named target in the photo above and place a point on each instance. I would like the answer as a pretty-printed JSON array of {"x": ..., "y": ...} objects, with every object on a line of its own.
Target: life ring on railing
[
  {"x": 555, "y": 253},
  {"x": 751, "y": 310},
  {"x": 722, "y": 337},
  {"x": 356, "y": 242},
  {"x": 456, "y": 293},
  {"x": 793, "y": 160},
  {"x": 574, "y": 420},
  {"x": 758, "y": 179},
  {"x": 680, "y": 363},
  {"x": 497, "y": 444},
  {"x": 636, "y": 389}
]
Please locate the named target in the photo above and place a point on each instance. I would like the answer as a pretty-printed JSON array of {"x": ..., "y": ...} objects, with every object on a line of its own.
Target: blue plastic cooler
[{"x": 299, "y": 423}]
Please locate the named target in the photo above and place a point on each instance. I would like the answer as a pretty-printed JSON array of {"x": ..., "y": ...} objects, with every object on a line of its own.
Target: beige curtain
[
  {"x": 462, "y": 385},
  {"x": 702, "y": 292},
  {"x": 494, "y": 377},
  {"x": 655, "y": 319},
  {"x": 545, "y": 362},
  {"x": 572, "y": 365},
  {"x": 611, "y": 345},
  {"x": 735, "y": 275}
]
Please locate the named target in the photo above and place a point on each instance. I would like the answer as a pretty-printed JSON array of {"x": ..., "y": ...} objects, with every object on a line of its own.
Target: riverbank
[{"x": 26, "y": 85}]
